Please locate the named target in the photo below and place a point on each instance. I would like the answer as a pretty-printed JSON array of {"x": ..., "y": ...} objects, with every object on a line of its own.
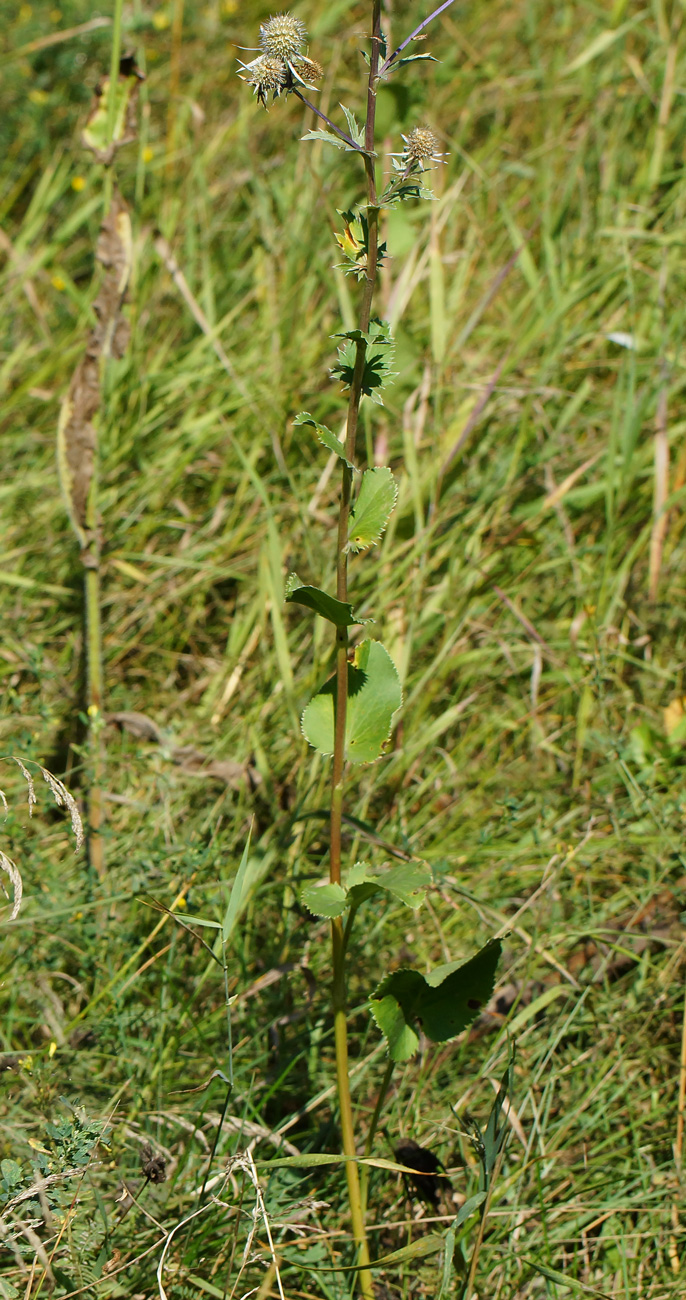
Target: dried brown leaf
[
  {"x": 96, "y": 133},
  {"x": 138, "y": 725},
  {"x": 76, "y": 432}
]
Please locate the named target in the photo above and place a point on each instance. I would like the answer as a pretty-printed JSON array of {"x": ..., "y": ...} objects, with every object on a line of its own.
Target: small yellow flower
[
  {"x": 229, "y": 8},
  {"x": 78, "y": 183},
  {"x": 58, "y": 283},
  {"x": 38, "y": 96},
  {"x": 52, "y": 1049},
  {"x": 148, "y": 154},
  {"x": 55, "y": 15},
  {"x": 160, "y": 20},
  {"x": 25, "y": 12}
]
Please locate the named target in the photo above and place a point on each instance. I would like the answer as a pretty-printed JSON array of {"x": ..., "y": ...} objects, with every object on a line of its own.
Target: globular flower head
[
  {"x": 307, "y": 69},
  {"x": 283, "y": 37},
  {"x": 266, "y": 75},
  {"x": 421, "y": 146}
]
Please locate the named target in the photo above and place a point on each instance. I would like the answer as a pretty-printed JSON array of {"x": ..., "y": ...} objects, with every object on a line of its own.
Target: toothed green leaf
[
  {"x": 373, "y": 508},
  {"x": 378, "y": 358},
  {"x": 374, "y": 695},
  {"x": 324, "y": 899},
  {"x": 336, "y": 611},
  {"x": 325, "y": 436},
  {"x": 442, "y": 1005},
  {"x": 400, "y": 1037},
  {"x": 356, "y": 132},
  {"x": 407, "y": 882},
  {"x": 326, "y": 136}
]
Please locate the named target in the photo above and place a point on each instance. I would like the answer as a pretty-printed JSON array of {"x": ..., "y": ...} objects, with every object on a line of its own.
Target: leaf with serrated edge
[
  {"x": 400, "y": 1037},
  {"x": 374, "y": 695},
  {"x": 375, "y": 501},
  {"x": 336, "y": 611},
  {"x": 358, "y": 874},
  {"x": 325, "y": 436},
  {"x": 327, "y": 136},
  {"x": 324, "y": 899},
  {"x": 408, "y": 881},
  {"x": 355, "y": 130},
  {"x": 361, "y": 884},
  {"x": 443, "y": 1004}
]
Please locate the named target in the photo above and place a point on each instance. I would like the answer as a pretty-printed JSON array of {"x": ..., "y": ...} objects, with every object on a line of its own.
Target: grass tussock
[{"x": 529, "y": 587}]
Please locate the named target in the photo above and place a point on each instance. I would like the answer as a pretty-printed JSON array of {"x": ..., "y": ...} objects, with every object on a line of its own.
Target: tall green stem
[
  {"x": 94, "y": 689},
  {"x": 115, "y": 57},
  {"x": 337, "y": 936},
  {"x": 91, "y": 553}
]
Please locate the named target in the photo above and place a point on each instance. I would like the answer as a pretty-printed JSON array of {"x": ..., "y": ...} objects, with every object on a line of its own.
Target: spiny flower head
[
  {"x": 266, "y": 75},
  {"x": 283, "y": 37},
  {"x": 308, "y": 69},
  {"x": 421, "y": 146}
]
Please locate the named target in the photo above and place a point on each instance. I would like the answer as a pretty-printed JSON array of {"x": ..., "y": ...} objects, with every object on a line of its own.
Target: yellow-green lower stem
[
  {"x": 94, "y": 693},
  {"x": 346, "y": 1110}
]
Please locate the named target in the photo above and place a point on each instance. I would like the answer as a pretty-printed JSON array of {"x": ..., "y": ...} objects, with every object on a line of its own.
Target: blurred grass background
[{"x": 530, "y": 588}]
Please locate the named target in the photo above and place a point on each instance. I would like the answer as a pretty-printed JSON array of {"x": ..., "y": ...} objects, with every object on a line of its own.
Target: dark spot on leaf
[{"x": 474, "y": 1004}]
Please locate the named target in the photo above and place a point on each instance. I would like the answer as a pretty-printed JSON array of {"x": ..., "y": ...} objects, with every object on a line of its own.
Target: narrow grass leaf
[
  {"x": 571, "y": 1283},
  {"x": 428, "y": 1245},
  {"x": 239, "y": 894},
  {"x": 200, "y": 920},
  {"x": 601, "y": 43}
]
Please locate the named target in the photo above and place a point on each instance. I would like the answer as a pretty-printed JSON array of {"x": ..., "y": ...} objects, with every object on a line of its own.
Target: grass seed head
[
  {"x": 9, "y": 867},
  {"x": 64, "y": 799},
  {"x": 283, "y": 37}
]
